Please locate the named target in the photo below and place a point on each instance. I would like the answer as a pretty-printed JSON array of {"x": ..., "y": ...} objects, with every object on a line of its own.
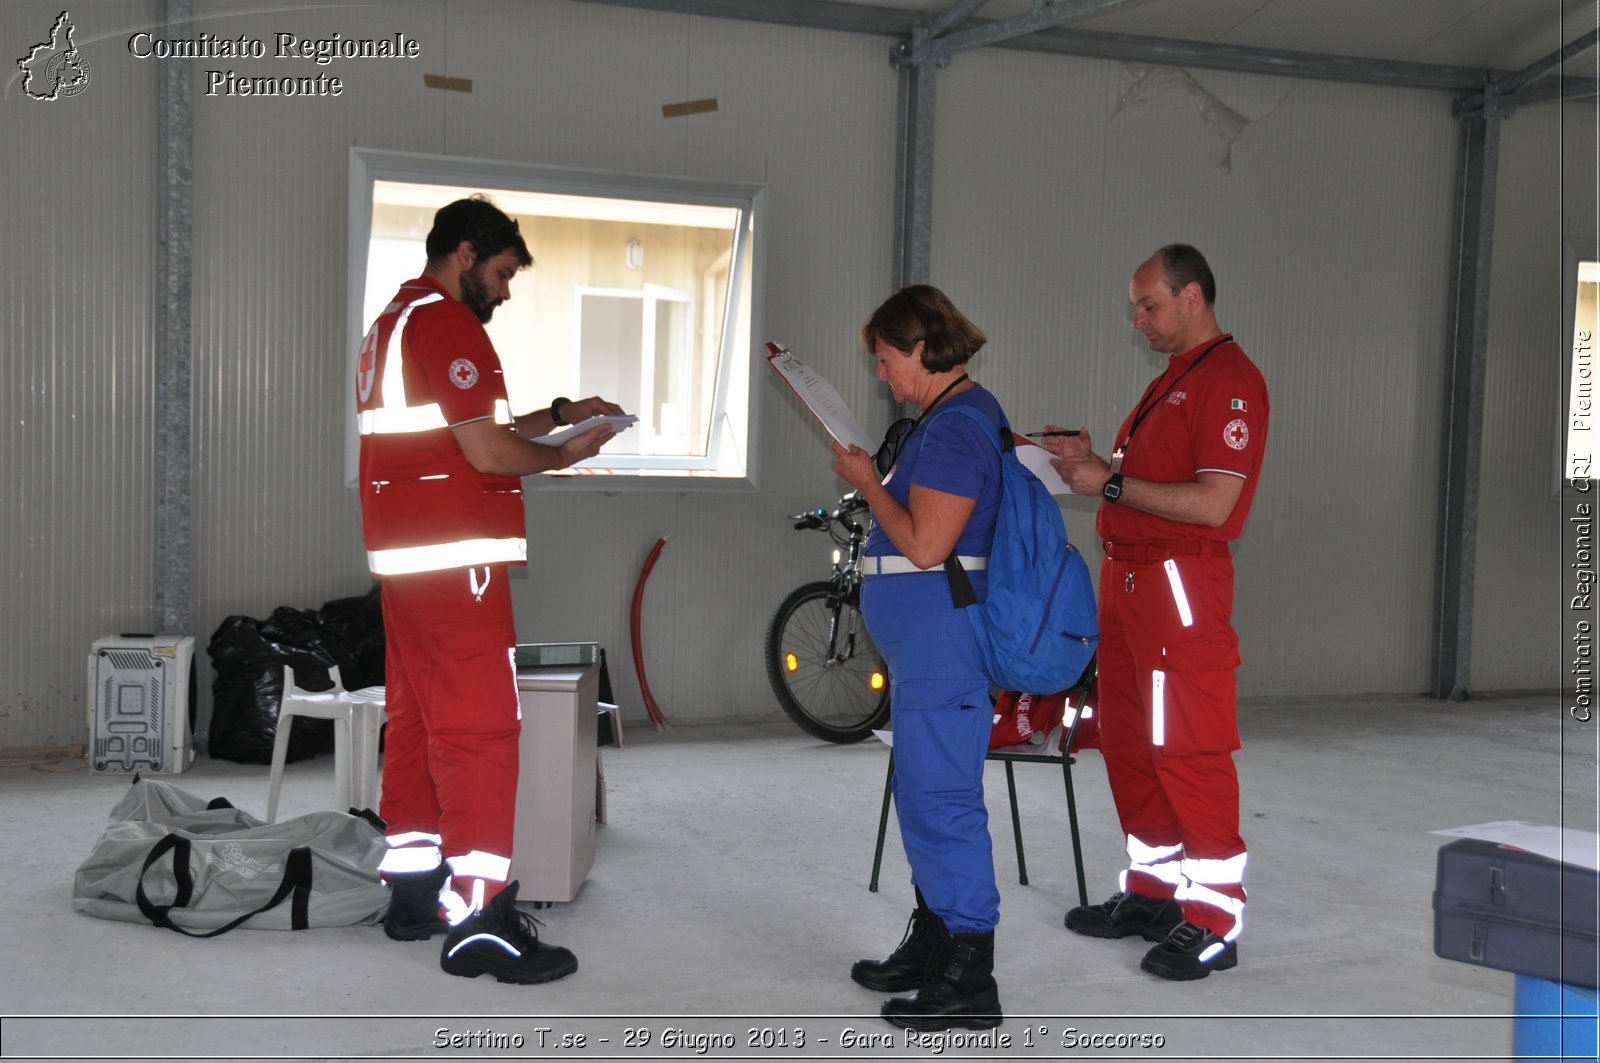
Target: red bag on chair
[
  {"x": 1021, "y": 719},
  {"x": 1087, "y": 736}
]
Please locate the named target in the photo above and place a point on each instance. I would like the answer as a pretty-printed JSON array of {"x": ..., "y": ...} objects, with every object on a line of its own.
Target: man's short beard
[{"x": 475, "y": 294}]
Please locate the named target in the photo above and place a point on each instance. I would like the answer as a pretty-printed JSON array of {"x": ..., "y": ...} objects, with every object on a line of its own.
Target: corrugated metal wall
[
  {"x": 1325, "y": 213},
  {"x": 1325, "y": 208},
  {"x": 77, "y": 394},
  {"x": 1546, "y": 197}
]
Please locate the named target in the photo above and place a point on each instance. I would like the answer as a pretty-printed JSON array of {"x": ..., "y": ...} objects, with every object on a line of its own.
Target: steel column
[
  {"x": 174, "y": 356},
  {"x": 1463, "y": 415},
  {"x": 913, "y": 174},
  {"x": 913, "y": 179}
]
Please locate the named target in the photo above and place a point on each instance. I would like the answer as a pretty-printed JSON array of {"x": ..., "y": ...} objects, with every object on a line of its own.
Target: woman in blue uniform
[{"x": 938, "y": 495}]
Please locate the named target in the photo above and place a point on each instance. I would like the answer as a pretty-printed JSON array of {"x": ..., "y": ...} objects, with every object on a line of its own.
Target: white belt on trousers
[{"x": 898, "y": 565}]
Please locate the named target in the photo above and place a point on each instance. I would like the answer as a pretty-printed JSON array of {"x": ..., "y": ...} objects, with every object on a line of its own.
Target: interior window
[{"x": 641, "y": 291}]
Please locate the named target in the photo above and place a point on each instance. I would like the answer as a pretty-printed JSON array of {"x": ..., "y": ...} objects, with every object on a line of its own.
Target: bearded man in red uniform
[
  {"x": 442, "y": 517},
  {"x": 1176, "y": 489}
]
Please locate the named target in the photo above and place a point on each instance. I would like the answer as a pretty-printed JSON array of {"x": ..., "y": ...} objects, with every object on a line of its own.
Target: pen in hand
[{"x": 1040, "y": 435}]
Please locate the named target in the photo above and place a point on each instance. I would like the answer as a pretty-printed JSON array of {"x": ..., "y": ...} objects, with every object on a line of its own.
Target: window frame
[
  {"x": 369, "y": 165},
  {"x": 1574, "y": 451}
]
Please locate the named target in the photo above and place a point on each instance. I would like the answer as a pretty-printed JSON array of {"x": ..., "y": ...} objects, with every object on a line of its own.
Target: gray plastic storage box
[
  {"x": 556, "y": 654},
  {"x": 1496, "y": 906}
]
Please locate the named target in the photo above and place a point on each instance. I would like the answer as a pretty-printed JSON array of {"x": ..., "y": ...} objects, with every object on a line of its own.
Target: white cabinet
[{"x": 553, "y": 846}]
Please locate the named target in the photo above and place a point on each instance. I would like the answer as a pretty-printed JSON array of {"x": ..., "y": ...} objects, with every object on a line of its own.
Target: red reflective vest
[{"x": 427, "y": 365}]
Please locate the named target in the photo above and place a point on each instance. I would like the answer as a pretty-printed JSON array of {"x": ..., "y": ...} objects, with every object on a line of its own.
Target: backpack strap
[{"x": 961, "y": 592}]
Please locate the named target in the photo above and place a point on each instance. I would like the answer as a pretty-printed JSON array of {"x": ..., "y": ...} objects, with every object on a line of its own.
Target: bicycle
[{"x": 821, "y": 660}]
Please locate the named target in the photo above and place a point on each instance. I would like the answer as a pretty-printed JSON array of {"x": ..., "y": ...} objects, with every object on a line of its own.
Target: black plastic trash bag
[
  {"x": 249, "y": 686},
  {"x": 249, "y": 656},
  {"x": 353, "y": 628}
]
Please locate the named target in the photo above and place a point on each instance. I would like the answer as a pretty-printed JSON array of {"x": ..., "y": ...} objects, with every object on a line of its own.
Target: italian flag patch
[{"x": 1238, "y": 404}]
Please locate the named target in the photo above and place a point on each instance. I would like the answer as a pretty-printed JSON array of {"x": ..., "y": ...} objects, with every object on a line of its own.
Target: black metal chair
[{"x": 1047, "y": 753}]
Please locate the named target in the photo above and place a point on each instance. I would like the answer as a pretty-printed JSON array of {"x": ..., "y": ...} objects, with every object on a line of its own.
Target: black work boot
[
  {"x": 499, "y": 940},
  {"x": 413, "y": 913},
  {"x": 1190, "y": 952},
  {"x": 960, "y": 993},
  {"x": 1152, "y": 918},
  {"x": 921, "y": 952}
]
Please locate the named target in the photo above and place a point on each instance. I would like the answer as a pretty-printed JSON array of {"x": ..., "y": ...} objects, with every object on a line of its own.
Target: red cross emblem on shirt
[
  {"x": 463, "y": 374},
  {"x": 1237, "y": 434}
]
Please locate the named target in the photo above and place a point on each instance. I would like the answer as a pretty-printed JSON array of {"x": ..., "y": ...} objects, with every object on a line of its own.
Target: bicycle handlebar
[
  {"x": 823, "y": 520},
  {"x": 850, "y": 503}
]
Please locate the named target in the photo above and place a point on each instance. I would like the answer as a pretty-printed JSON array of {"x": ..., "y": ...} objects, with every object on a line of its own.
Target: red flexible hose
[{"x": 650, "y": 706}]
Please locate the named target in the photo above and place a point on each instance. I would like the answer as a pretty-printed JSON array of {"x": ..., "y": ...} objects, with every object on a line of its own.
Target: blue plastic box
[{"x": 1555, "y": 1021}]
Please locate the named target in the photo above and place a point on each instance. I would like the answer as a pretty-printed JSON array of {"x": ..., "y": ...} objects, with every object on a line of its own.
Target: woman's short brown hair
[{"x": 924, "y": 313}]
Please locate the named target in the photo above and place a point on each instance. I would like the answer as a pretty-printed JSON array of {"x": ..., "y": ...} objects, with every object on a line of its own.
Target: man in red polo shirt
[
  {"x": 442, "y": 459},
  {"x": 1176, "y": 489}
]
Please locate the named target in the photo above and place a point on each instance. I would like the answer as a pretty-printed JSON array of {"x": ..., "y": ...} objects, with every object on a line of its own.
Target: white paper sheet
[
  {"x": 618, "y": 423},
  {"x": 820, "y": 397},
  {"x": 1037, "y": 461},
  {"x": 1579, "y": 848}
]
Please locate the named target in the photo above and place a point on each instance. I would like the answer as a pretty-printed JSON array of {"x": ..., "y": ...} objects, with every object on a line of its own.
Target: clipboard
[
  {"x": 820, "y": 397},
  {"x": 619, "y": 424}
]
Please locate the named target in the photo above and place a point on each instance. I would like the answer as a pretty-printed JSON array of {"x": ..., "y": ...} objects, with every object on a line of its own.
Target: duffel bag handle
[{"x": 296, "y": 880}]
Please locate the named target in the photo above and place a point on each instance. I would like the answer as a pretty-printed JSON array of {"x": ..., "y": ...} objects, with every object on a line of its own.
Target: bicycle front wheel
[{"x": 836, "y": 691}]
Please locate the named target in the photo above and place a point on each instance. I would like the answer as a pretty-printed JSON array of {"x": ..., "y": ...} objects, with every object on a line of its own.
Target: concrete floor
[{"x": 728, "y": 899}]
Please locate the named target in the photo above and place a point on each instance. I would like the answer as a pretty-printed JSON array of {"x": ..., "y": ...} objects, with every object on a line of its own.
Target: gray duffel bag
[{"x": 202, "y": 868}]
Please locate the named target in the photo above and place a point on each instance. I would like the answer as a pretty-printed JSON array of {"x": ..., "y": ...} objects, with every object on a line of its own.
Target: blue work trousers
[{"x": 942, "y": 719}]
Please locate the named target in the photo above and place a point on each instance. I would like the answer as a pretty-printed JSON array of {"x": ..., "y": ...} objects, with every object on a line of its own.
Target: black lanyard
[
  {"x": 1148, "y": 403},
  {"x": 900, "y": 431},
  {"x": 940, "y": 397}
]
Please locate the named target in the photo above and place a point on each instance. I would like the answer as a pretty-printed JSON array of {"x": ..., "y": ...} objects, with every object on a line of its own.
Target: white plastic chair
[{"x": 357, "y": 717}]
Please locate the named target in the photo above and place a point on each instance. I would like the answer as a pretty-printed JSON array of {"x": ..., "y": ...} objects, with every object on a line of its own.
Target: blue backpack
[{"x": 1037, "y": 629}]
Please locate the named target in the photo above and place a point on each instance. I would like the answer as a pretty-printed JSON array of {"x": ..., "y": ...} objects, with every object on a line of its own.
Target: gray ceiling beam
[
  {"x": 811, "y": 14},
  {"x": 1123, "y": 47},
  {"x": 1044, "y": 15},
  {"x": 954, "y": 16},
  {"x": 1159, "y": 51},
  {"x": 1553, "y": 88},
  {"x": 1537, "y": 69}
]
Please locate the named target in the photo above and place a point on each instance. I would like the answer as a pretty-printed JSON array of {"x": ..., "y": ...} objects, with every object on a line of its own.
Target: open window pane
[{"x": 1583, "y": 402}]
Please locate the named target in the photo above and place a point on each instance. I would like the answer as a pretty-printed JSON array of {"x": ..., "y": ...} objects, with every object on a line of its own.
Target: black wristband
[
  {"x": 1112, "y": 489},
  {"x": 555, "y": 410}
]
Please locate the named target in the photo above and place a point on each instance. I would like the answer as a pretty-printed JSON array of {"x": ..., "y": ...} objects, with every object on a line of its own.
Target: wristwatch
[
  {"x": 1112, "y": 490},
  {"x": 555, "y": 410}
]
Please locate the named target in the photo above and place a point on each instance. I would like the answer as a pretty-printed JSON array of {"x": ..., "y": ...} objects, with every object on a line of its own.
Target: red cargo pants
[
  {"x": 450, "y": 761},
  {"x": 1168, "y": 727}
]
